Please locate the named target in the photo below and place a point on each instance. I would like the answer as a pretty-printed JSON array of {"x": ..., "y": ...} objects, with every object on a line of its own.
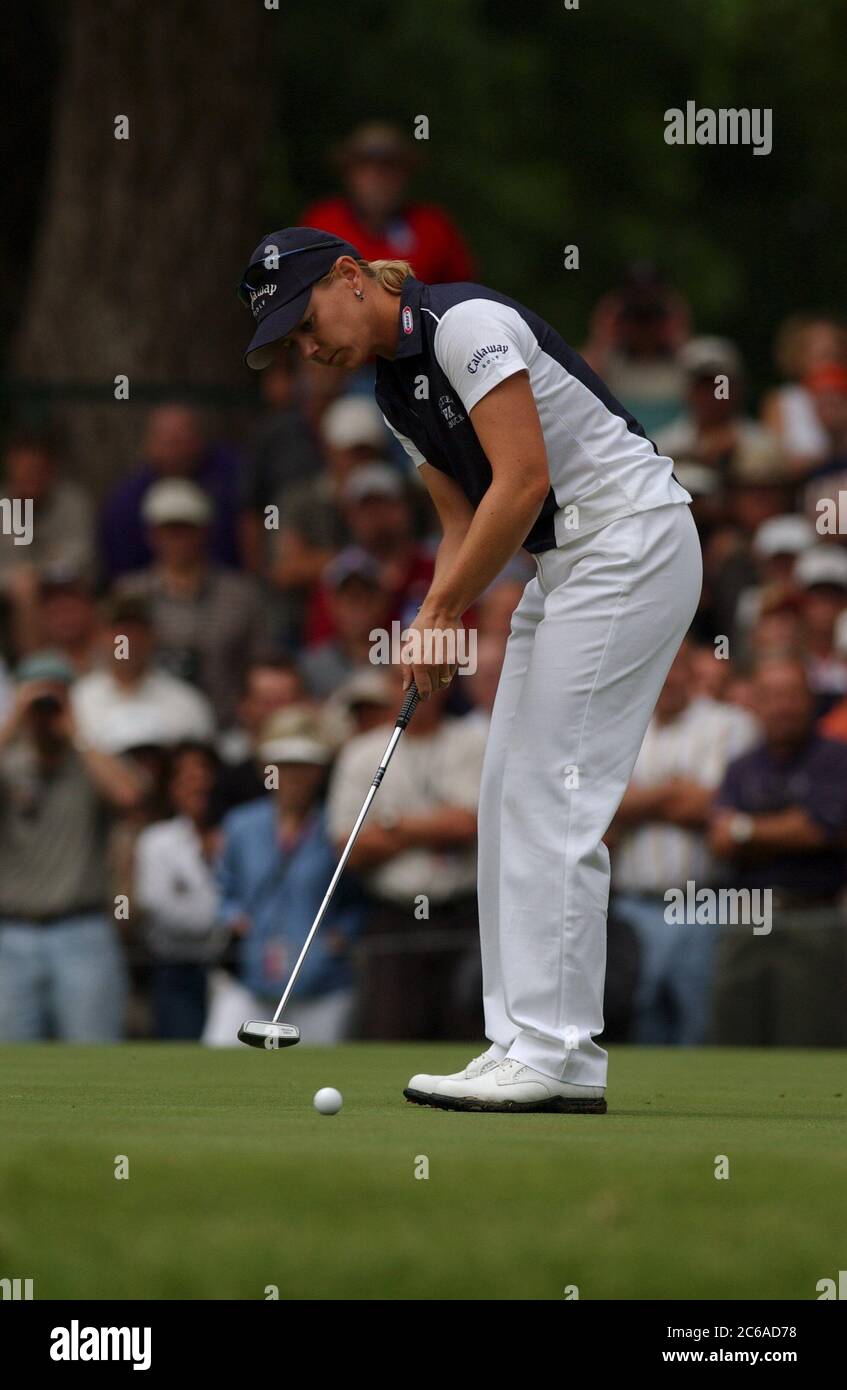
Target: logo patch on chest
[{"x": 451, "y": 412}]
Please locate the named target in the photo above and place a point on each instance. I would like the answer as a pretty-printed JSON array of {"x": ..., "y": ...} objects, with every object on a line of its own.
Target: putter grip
[{"x": 409, "y": 706}]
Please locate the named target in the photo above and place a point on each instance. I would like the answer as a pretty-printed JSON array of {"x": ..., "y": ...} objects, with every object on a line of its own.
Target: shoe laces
[{"x": 513, "y": 1063}]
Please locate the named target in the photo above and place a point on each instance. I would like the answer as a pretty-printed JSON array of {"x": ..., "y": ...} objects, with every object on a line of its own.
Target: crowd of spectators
[{"x": 190, "y": 717}]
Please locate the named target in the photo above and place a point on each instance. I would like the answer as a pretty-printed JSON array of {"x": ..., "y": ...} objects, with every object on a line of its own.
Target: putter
[{"x": 271, "y": 1034}]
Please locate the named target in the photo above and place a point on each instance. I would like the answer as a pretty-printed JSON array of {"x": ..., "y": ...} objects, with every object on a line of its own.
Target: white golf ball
[{"x": 328, "y": 1101}]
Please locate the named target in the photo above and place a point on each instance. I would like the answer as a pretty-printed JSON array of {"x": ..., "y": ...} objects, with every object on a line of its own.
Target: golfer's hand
[{"x": 429, "y": 652}]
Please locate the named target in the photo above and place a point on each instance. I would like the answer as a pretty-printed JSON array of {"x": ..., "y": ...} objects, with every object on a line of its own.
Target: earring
[{"x": 358, "y": 294}]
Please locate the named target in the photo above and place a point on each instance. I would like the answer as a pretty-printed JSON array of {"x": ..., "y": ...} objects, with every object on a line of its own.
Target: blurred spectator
[
  {"x": 659, "y": 844},
  {"x": 131, "y": 702},
  {"x": 142, "y": 749},
  {"x": 781, "y": 820},
  {"x": 61, "y": 970},
  {"x": 480, "y": 686},
  {"x": 804, "y": 343},
  {"x": 353, "y": 432},
  {"x": 61, "y": 530},
  {"x": 713, "y": 432},
  {"x": 377, "y": 508},
  {"x": 710, "y": 674},
  {"x": 270, "y": 683},
  {"x": 821, "y": 575},
  {"x": 741, "y": 691},
  {"x": 176, "y": 890},
  {"x": 275, "y": 866},
  {"x": 312, "y": 525},
  {"x": 366, "y": 700},
  {"x": 283, "y": 450},
  {"x": 419, "y": 962},
  {"x": 378, "y": 512},
  {"x": 776, "y": 545},
  {"x": 175, "y": 446},
  {"x": 778, "y": 632},
  {"x": 209, "y": 621},
  {"x": 376, "y": 213},
  {"x": 65, "y": 619},
  {"x": 834, "y": 722},
  {"x": 494, "y": 607},
  {"x": 356, "y": 604},
  {"x": 634, "y": 340},
  {"x": 827, "y": 388},
  {"x": 729, "y": 564}
]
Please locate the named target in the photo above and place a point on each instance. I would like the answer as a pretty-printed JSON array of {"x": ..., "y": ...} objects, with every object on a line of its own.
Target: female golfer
[{"x": 520, "y": 445}]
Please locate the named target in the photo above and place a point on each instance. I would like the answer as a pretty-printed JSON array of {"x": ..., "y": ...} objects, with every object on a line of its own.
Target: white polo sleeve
[
  {"x": 480, "y": 343},
  {"x": 411, "y": 449}
]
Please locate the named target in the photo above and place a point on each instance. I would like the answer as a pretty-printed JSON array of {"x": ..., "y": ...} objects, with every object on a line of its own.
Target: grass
[{"x": 236, "y": 1182}]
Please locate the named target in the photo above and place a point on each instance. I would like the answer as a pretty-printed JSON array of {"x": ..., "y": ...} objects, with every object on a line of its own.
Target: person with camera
[{"x": 62, "y": 973}]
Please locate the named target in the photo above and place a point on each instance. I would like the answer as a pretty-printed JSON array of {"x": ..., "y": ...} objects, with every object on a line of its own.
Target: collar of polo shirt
[{"x": 409, "y": 339}]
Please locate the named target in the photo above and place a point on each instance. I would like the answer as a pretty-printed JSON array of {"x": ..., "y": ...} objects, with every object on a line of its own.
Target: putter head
[{"x": 270, "y": 1036}]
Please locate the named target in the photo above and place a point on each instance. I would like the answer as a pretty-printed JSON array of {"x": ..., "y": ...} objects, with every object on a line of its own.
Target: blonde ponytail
[{"x": 389, "y": 274}]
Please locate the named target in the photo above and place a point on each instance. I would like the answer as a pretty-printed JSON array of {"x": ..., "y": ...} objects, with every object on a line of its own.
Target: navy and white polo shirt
[{"x": 455, "y": 343}]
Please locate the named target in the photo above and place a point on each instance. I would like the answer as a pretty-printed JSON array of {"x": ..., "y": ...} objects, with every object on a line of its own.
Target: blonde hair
[{"x": 389, "y": 274}]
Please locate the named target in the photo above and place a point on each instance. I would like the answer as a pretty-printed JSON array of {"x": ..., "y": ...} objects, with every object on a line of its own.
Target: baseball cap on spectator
[
  {"x": 295, "y": 736},
  {"x": 373, "y": 480},
  {"x": 784, "y": 535},
  {"x": 128, "y": 730},
  {"x": 46, "y": 665},
  {"x": 366, "y": 688},
  {"x": 761, "y": 463},
  {"x": 352, "y": 562},
  {"x": 710, "y": 357},
  {"x": 176, "y": 500},
  {"x": 830, "y": 376},
  {"x": 823, "y": 564},
  {"x": 352, "y": 421},
  {"x": 61, "y": 575},
  {"x": 277, "y": 284}
]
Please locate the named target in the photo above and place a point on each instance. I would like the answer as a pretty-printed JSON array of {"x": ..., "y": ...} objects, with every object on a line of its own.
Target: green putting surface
[{"x": 237, "y": 1183}]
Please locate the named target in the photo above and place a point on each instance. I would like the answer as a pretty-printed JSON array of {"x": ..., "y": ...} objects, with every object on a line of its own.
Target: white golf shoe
[
  {"x": 425, "y": 1083},
  {"x": 506, "y": 1086}
]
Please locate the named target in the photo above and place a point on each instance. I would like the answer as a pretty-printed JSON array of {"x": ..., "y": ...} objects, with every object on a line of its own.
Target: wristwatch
[{"x": 741, "y": 827}]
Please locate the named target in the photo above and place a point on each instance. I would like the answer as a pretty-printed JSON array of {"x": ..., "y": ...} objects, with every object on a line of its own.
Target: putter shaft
[{"x": 409, "y": 706}]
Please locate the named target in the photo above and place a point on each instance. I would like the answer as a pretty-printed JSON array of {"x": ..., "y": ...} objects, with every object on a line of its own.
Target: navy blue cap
[{"x": 278, "y": 282}]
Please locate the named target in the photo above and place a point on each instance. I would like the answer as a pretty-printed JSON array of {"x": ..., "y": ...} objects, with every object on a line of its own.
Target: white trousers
[{"x": 591, "y": 642}]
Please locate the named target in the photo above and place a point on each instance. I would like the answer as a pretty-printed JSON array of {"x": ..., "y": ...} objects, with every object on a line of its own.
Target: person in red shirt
[{"x": 376, "y": 214}]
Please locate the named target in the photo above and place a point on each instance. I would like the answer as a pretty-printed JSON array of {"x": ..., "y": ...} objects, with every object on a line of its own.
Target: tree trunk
[{"x": 142, "y": 240}]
